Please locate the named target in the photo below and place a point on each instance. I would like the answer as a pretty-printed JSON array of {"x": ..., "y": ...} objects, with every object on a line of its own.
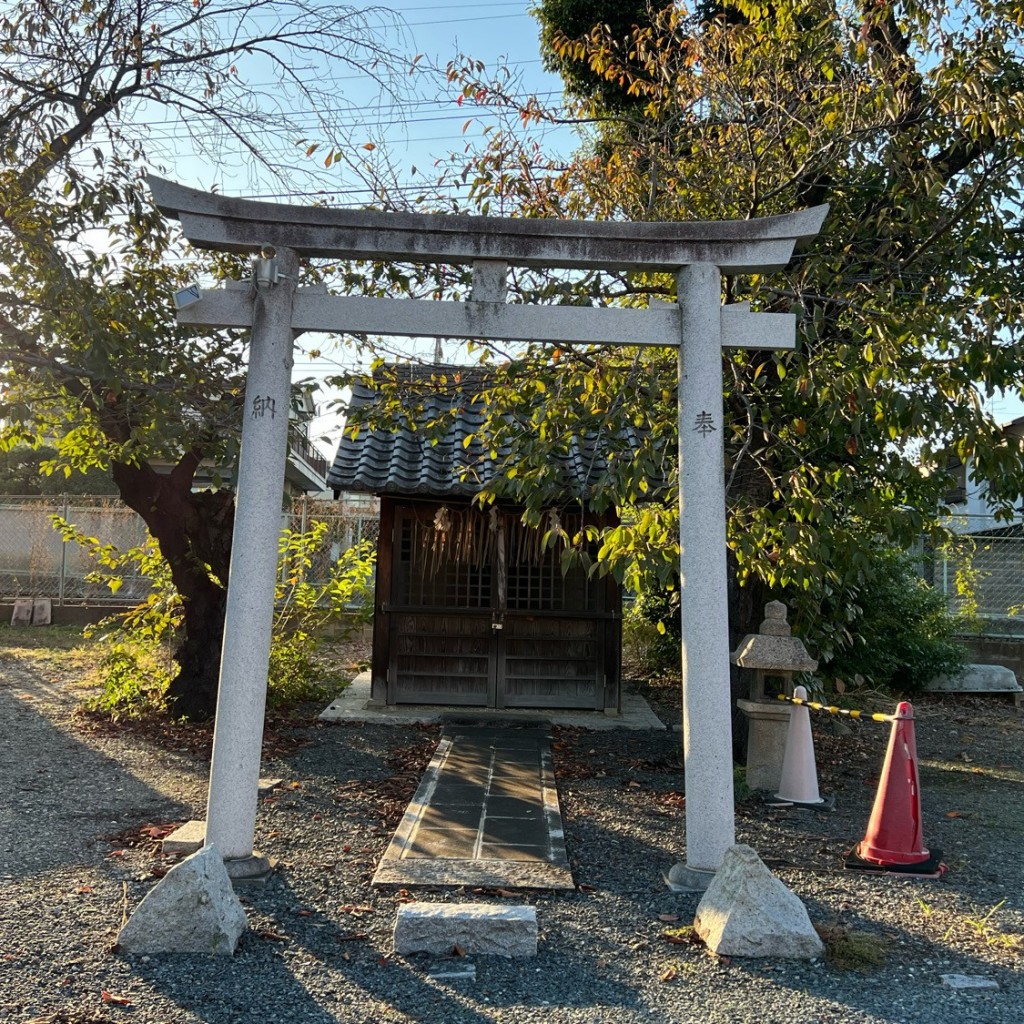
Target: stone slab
[
  {"x": 267, "y": 786},
  {"x": 186, "y": 839},
  {"x": 473, "y": 927},
  {"x": 354, "y": 704},
  {"x": 192, "y": 909},
  {"x": 453, "y": 971},
  {"x": 21, "y": 615},
  {"x": 977, "y": 679},
  {"x": 42, "y": 611},
  {"x": 969, "y": 983}
]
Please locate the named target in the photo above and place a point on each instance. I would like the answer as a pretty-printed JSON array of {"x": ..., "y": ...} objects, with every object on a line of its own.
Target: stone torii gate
[{"x": 698, "y": 325}]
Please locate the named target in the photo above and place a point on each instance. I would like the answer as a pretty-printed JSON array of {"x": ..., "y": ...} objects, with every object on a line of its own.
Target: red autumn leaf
[{"x": 109, "y": 997}]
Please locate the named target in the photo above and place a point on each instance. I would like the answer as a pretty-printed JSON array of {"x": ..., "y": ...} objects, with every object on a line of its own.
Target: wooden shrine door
[{"x": 480, "y": 615}]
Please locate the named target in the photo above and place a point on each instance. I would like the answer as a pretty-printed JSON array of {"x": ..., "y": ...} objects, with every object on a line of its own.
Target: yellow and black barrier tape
[{"x": 873, "y": 716}]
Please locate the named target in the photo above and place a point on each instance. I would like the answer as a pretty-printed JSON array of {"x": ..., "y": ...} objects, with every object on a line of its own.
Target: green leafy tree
[
  {"x": 909, "y": 122},
  {"x": 25, "y": 470},
  {"x": 89, "y": 348},
  {"x": 566, "y": 27}
]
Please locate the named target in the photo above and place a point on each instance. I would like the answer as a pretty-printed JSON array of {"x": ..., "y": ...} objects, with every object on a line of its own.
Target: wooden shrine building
[{"x": 471, "y": 608}]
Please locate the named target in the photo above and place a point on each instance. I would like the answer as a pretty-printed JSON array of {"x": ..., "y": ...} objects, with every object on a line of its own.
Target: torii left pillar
[{"x": 248, "y": 619}]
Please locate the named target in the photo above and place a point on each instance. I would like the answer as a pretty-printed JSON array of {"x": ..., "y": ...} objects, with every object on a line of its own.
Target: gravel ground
[{"x": 82, "y": 810}]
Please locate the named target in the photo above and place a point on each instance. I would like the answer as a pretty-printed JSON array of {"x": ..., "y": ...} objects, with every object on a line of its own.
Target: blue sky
[{"x": 417, "y": 123}]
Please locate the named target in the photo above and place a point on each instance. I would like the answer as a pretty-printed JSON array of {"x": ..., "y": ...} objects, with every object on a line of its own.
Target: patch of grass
[
  {"x": 133, "y": 678},
  {"x": 849, "y": 950},
  {"x": 49, "y": 648},
  {"x": 983, "y": 927},
  {"x": 980, "y": 927},
  {"x": 684, "y": 935},
  {"x": 740, "y": 789}
]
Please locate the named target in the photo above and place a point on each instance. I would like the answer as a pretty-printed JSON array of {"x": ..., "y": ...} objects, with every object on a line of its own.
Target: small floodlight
[{"x": 187, "y": 296}]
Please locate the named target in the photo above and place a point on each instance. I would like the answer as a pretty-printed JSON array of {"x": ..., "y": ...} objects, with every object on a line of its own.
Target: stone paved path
[{"x": 486, "y": 813}]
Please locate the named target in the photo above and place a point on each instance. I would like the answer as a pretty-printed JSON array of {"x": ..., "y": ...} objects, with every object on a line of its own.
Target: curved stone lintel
[{"x": 212, "y": 221}]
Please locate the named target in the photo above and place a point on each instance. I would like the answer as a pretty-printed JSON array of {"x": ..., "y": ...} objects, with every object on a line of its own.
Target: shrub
[
  {"x": 135, "y": 671},
  {"x": 905, "y": 634},
  {"x": 651, "y": 633}
]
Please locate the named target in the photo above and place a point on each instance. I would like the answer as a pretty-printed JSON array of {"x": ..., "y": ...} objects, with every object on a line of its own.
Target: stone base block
[
  {"x": 682, "y": 878},
  {"x": 187, "y": 839},
  {"x": 255, "y": 869},
  {"x": 192, "y": 909},
  {"x": 768, "y": 727},
  {"x": 747, "y": 911},
  {"x": 473, "y": 927}
]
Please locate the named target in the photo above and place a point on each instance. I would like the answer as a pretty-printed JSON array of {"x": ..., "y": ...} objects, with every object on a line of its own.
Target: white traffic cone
[{"x": 799, "y": 783}]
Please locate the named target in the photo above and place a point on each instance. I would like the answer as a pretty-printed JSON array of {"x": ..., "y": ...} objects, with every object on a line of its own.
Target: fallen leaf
[
  {"x": 109, "y": 997},
  {"x": 586, "y": 888},
  {"x": 668, "y": 917},
  {"x": 669, "y": 974},
  {"x": 457, "y": 950}
]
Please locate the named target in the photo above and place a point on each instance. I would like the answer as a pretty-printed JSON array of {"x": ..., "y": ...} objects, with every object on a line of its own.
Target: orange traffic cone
[
  {"x": 893, "y": 841},
  {"x": 799, "y": 783}
]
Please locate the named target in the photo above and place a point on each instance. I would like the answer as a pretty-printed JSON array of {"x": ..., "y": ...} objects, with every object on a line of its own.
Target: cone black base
[{"x": 930, "y": 867}]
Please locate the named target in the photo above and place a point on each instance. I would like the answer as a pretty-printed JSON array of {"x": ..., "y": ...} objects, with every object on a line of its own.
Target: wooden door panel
[
  {"x": 440, "y": 659},
  {"x": 552, "y": 662}
]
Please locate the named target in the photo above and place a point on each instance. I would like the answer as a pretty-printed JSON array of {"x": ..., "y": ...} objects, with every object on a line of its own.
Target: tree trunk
[{"x": 193, "y": 531}]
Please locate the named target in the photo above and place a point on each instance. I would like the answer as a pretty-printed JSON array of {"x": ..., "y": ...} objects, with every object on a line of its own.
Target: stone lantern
[{"x": 773, "y": 653}]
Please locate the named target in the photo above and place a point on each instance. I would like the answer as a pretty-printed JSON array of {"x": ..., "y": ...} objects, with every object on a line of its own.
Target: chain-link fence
[
  {"x": 346, "y": 527},
  {"x": 35, "y": 561},
  {"x": 982, "y": 572}
]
